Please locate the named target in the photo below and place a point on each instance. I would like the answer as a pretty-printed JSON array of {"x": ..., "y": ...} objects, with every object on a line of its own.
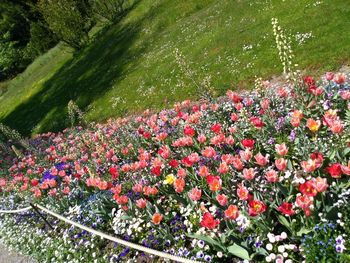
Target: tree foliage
[
  {"x": 20, "y": 41},
  {"x": 41, "y": 39},
  {"x": 68, "y": 19},
  {"x": 29, "y": 28},
  {"x": 108, "y": 9}
]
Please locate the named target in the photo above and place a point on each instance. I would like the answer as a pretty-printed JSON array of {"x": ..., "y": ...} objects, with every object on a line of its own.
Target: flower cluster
[{"x": 246, "y": 176}]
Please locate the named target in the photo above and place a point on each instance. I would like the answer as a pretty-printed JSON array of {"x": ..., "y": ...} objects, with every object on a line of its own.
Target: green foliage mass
[
  {"x": 23, "y": 36},
  {"x": 29, "y": 28},
  {"x": 68, "y": 19}
]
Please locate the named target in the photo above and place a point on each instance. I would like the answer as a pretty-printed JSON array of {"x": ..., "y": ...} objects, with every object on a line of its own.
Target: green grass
[{"x": 131, "y": 65}]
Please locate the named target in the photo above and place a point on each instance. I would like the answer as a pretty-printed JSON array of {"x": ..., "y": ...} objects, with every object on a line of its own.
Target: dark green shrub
[
  {"x": 108, "y": 9},
  {"x": 41, "y": 40},
  {"x": 68, "y": 19}
]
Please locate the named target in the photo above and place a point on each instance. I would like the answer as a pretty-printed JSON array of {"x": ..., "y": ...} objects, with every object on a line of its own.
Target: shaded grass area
[{"x": 131, "y": 65}]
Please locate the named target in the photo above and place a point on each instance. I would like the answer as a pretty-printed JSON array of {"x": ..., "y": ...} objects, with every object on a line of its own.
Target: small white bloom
[
  {"x": 281, "y": 249},
  {"x": 269, "y": 247},
  {"x": 284, "y": 235}
]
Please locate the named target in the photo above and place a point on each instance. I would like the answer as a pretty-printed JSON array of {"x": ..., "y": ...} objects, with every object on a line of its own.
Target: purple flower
[
  {"x": 292, "y": 135},
  {"x": 271, "y": 141},
  {"x": 200, "y": 254},
  {"x": 47, "y": 176},
  {"x": 207, "y": 258},
  {"x": 280, "y": 123},
  {"x": 340, "y": 248},
  {"x": 339, "y": 240},
  {"x": 124, "y": 253},
  {"x": 258, "y": 244}
]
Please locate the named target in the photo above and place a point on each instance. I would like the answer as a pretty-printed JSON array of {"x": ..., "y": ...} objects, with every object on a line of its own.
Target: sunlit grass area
[{"x": 131, "y": 65}]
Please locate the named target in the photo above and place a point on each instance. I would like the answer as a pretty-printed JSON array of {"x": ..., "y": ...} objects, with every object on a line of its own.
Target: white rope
[
  {"x": 105, "y": 236},
  {"x": 15, "y": 211},
  {"x": 119, "y": 241}
]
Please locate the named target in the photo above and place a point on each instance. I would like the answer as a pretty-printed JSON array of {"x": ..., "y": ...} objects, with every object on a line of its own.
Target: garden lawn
[{"x": 130, "y": 66}]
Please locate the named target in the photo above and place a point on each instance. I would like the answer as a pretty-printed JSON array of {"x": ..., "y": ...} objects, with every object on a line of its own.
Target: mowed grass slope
[{"x": 131, "y": 65}]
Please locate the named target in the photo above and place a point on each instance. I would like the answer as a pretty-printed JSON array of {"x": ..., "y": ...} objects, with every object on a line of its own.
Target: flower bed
[{"x": 262, "y": 177}]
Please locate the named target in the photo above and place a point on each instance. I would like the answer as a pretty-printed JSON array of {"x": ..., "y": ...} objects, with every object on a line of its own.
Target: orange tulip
[
  {"x": 157, "y": 218},
  {"x": 313, "y": 125}
]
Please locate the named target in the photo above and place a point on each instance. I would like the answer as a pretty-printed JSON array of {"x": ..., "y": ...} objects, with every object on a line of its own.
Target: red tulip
[
  {"x": 208, "y": 221},
  {"x": 216, "y": 128},
  {"x": 308, "y": 188},
  {"x": 248, "y": 143},
  {"x": 189, "y": 131},
  {"x": 33, "y": 182},
  {"x": 286, "y": 209},
  {"x": 114, "y": 172},
  {"x": 335, "y": 170},
  {"x": 256, "y": 207}
]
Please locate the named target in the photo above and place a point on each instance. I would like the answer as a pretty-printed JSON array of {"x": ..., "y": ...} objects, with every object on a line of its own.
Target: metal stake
[{"x": 42, "y": 217}]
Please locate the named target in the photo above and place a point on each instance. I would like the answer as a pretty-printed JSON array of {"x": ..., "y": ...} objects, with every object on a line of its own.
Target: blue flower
[
  {"x": 167, "y": 243},
  {"x": 292, "y": 135},
  {"x": 186, "y": 252},
  {"x": 47, "y": 176},
  {"x": 200, "y": 254},
  {"x": 339, "y": 240},
  {"x": 258, "y": 244},
  {"x": 339, "y": 248},
  {"x": 201, "y": 243},
  {"x": 125, "y": 252},
  {"x": 207, "y": 258},
  {"x": 60, "y": 166}
]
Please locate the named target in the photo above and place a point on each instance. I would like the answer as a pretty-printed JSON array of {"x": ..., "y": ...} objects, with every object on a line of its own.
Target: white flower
[
  {"x": 281, "y": 249},
  {"x": 284, "y": 235},
  {"x": 269, "y": 247}
]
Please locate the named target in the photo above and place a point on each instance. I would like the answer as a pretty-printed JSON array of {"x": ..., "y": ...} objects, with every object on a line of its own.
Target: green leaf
[
  {"x": 284, "y": 222},
  {"x": 296, "y": 142},
  {"x": 283, "y": 189},
  {"x": 238, "y": 251},
  {"x": 224, "y": 236},
  {"x": 346, "y": 151},
  {"x": 126, "y": 217},
  {"x": 331, "y": 157},
  {"x": 209, "y": 240},
  {"x": 178, "y": 198},
  {"x": 303, "y": 231},
  {"x": 260, "y": 251}
]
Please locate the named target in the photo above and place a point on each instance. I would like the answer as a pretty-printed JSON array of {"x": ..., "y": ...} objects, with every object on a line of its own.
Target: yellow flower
[{"x": 169, "y": 179}]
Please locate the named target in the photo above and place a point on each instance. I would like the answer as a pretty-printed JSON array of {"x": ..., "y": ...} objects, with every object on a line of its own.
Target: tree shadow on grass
[{"x": 84, "y": 78}]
